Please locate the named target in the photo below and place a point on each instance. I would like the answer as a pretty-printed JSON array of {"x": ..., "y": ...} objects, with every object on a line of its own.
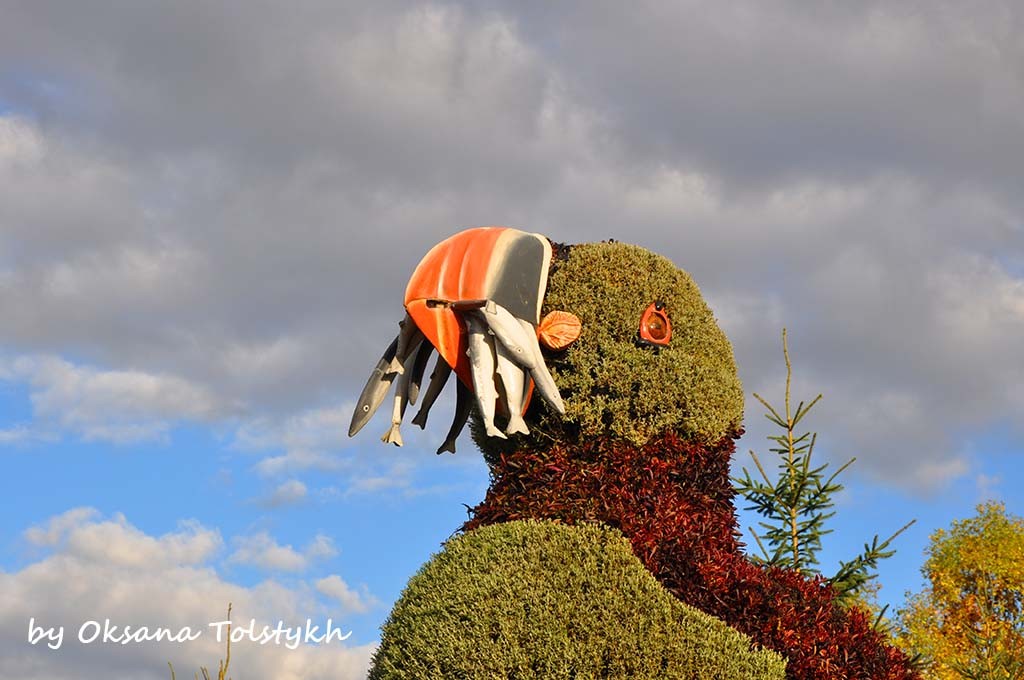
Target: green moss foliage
[
  {"x": 544, "y": 600},
  {"x": 612, "y": 386}
]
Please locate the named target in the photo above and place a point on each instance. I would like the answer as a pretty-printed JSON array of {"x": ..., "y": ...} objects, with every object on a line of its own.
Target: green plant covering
[
  {"x": 543, "y": 600},
  {"x": 614, "y": 387}
]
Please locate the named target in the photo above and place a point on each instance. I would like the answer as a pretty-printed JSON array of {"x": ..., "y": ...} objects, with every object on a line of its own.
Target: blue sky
[
  {"x": 380, "y": 535},
  {"x": 208, "y": 217}
]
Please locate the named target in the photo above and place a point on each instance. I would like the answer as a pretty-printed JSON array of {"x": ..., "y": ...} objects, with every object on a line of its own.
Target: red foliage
[{"x": 673, "y": 500}]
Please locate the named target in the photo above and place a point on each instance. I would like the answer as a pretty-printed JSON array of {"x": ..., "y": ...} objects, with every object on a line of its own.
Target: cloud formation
[
  {"x": 287, "y": 493},
  {"x": 334, "y": 586},
  {"x": 118, "y": 406},
  {"x": 222, "y": 233},
  {"x": 260, "y": 550},
  {"x": 95, "y": 569}
]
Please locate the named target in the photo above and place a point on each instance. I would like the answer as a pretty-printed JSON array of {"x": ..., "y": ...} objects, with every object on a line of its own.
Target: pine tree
[{"x": 797, "y": 505}]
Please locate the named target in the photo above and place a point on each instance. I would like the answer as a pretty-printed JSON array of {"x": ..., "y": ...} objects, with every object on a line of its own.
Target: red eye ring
[{"x": 655, "y": 327}]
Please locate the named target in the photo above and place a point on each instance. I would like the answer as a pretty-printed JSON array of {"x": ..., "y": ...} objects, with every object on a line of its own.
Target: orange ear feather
[{"x": 558, "y": 330}]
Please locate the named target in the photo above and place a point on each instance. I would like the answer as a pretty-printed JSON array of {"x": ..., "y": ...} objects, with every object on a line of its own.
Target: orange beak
[{"x": 486, "y": 263}]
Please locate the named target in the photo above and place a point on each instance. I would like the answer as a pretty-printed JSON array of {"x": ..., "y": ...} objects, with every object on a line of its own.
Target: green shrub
[{"x": 544, "y": 600}]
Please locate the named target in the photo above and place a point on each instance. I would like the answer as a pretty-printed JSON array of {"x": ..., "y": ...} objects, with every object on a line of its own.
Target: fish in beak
[
  {"x": 376, "y": 389},
  {"x": 463, "y": 405},
  {"x": 438, "y": 378}
]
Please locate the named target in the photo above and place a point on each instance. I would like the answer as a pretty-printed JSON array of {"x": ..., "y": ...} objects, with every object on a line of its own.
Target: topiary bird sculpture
[{"x": 640, "y": 406}]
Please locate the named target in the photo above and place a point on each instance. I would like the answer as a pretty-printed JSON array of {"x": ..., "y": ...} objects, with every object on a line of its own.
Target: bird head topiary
[
  {"x": 649, "y": 359},
  {"x": 640, "y": 354}
]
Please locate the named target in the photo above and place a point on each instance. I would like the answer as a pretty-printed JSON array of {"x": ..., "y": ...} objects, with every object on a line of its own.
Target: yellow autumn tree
[{"x": 969, "y": 619}]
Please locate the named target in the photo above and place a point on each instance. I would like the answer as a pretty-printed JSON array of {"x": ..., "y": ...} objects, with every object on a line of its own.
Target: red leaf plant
[{"x": 673, "y": 499}]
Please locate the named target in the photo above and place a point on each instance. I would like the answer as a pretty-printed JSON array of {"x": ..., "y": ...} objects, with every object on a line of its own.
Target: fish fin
[
  {"x": 392, "y": 436},
  {"x": 516, "y": 425},
  {"x": 493, "y": 431}
]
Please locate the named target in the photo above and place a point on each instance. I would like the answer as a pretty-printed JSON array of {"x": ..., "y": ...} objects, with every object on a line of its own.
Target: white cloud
[
  {"x": 59, "y": 526},
  {"x": 20, "y": 142},
  {"x": 980, "y": 305},
  {"x": 102, "y": 276},
  {"x": 312, "y": 430},
  {"x": 334, "y": 587},
  {"x": 296, "y": 461},
  {"x": 321, "y": 547},
  {"x": 309, "y": 440},
  {"x": 936, "y": 474},
  {"x": 397, "y": 475},
  {"x": 375, "y": 484},
  {"x": 988, "y": 486},
  {"x": 287, "y": 493},
  {"x": 260, "y": 550},
  {"x": 170, "y": 585},
  {"x": 20, "y": 434},
  {"x": 111, "y": 405},
  {"x": 117, "y": 542},
  {"x": 316, "y": 440},
  {"x": 257, "y": 365}
]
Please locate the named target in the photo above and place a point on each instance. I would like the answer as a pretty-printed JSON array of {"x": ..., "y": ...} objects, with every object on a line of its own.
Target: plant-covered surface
[
  {"x": 645, "y": 446},
  {"x": 673, "y": 500},
  {"x": 544, "y": 600},
  {"x": 614, "y": 387}
]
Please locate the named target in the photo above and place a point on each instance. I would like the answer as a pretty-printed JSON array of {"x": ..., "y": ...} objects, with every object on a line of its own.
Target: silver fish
[
  {"x": 520, "y": 338},
  {"x": 463, "y": 405},
  {"x": 513, "y": 380},
  {"x": 539, "y": 372},
  {"x": 481, "y": 359},
  {"x": 393, "y": 435},
  {"x": 418, "y": 366},
  {"x": 407, "y": 334},
  {"x": 438, "y": 378},
  {"x": 375, "y": 390}
]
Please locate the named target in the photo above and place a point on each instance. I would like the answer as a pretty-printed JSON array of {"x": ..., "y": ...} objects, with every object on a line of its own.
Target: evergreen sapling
[{"x": 797, "y": 505}]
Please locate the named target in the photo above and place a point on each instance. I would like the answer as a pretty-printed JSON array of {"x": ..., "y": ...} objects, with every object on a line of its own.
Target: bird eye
[{"x": 655, "y": 327}]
